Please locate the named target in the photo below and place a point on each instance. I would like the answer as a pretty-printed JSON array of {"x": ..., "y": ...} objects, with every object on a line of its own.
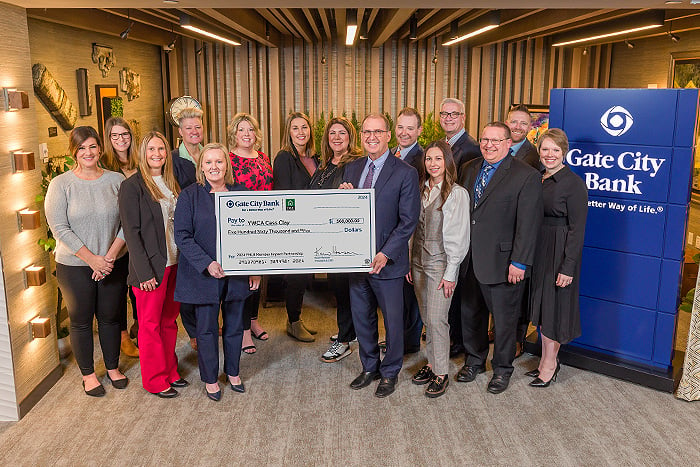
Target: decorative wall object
[
  {"x": 130, "y": 83},
  {"x": 103, "y": 55},
  {"x": 54, "y": 97},
  {"x": 102, "y": 94},
  {"x": 84, "y": 104}
]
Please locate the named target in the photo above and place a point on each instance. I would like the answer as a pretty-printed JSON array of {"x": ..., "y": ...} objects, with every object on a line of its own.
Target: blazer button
[{"x": 473, "y": 222}]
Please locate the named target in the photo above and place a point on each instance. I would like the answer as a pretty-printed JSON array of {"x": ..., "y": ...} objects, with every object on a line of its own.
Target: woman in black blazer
[
  {"x": 201, "y": 279},
  {"x": 147, "y": 207},
  {"x": 292, "y": 169}
]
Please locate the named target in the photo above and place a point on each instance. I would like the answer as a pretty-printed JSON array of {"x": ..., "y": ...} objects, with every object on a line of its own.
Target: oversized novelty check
[{"x": 295, "y": 231}]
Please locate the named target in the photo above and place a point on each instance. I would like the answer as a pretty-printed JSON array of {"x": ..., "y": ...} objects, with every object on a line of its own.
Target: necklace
[{"x": 326, "y": 175}]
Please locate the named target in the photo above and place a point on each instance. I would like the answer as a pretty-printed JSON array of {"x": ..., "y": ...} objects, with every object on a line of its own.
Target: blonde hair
[
  {"x": 327, "y": 154},
  {"x": 228, "y": 174},
  {"x": 287, "y": 144},
  {"x": 189, "y": 112},
  {"x": 110, "y": 160},
  {"x": 167, "y": 170},
  {"x": 232, "y": 129}
]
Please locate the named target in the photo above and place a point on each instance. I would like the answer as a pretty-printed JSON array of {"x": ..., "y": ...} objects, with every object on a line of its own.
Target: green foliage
[
  {"x": 432, "y": 131},
  {"x": 319, "y": 127},
  {"x": 687, "y": 302},
  {"x": 116, "y": 107}
]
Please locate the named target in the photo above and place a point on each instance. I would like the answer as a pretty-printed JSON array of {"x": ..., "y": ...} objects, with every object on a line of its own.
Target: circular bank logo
[{"x": 616, "y": 121}]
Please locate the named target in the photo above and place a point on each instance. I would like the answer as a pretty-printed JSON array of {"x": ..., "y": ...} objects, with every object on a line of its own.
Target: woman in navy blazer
[
  {"x": 146, "y": 207},
  {"x": 201, "y": 280}
]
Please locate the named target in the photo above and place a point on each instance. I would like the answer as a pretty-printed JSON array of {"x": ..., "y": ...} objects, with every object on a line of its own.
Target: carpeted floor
[{"x": 300, "y": 411}]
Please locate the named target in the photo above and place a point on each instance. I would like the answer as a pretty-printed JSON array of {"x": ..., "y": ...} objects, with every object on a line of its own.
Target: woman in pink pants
[{"x": 147, "y": 208}]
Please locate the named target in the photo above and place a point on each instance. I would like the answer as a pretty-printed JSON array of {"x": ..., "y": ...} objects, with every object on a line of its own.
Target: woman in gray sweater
[{"x": 83, "y": 214}]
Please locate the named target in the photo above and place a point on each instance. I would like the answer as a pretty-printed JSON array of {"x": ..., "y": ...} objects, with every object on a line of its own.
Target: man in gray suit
[{"x": 506, "y": 213}]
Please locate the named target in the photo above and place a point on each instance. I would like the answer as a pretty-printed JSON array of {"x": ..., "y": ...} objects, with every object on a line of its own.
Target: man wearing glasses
[
  {"x": 452, "y": 118},
  {"x": 397, "y": 206},
  {"x": 506, "y": 213}
]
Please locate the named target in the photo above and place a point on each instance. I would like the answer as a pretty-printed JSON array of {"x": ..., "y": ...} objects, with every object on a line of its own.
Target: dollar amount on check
[{"x": 295, "y": 231}]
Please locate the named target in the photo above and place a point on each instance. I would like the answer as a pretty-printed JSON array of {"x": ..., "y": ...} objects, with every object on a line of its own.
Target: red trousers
[{"x": 158, "y": 333}]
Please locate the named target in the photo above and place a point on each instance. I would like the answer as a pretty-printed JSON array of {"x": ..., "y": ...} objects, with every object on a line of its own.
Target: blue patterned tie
[
  {"x": 370, "y": 175},
  {"x": 481, "y": 182}
]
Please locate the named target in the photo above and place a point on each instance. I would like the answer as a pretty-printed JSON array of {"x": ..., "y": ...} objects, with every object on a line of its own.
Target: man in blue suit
[{"x": 397, "y": 207}]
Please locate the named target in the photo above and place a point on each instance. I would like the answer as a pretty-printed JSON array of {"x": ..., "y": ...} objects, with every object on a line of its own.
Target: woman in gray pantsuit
[{"x": 439, "y": 245}]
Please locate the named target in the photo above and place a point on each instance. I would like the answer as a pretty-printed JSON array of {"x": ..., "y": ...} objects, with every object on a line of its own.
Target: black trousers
[
  {"x": 503, "y": 302},
  {"x": 294, "y": 294},
  {"x": 412, "y": 322},
  {"x": 189, "y": 319},
  {"x": 250, "y": 309},
  {"x": 340, "y": 284},
  {"x": 524, "y": 320},
  {"x": 86, "y": 300},
  {"x": 122, "y": 324}
]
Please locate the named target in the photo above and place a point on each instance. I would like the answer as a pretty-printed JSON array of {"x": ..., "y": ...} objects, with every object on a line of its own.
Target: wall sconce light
[
  {"x": 15, "y": 100},
  {"x": 41, "y": 327},
  {"x": 28, "y": 219},
  {"x": 22, "y": 161},
  {"x": 35, "y": 275}
]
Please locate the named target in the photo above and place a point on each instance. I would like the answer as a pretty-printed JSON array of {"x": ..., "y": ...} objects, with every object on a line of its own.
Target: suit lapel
[
  {"x": 470, "y": 180},
  {"x": 385, "y": 174},
  {"x": 498, "y": 176},
  {"x": 156, "y": 210}
]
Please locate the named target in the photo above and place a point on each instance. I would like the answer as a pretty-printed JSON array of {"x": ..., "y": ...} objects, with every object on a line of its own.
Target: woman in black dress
[
  {"x": 338, "y": 147},
  {"x": 292, "y": 169},
  {"x": 557, "y": 265}
]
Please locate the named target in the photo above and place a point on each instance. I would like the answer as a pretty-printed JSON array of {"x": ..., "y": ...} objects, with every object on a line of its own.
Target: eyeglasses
[
  {"x": 450, "y": 114},
  {"x": 494, "y": 141},
  {"x": 116, "y": 136},
  {"x": 375, "y": 133}
]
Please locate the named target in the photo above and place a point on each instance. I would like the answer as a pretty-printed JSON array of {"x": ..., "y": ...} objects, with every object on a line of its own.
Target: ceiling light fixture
[
  {"x": 413, "y": 28},
  {"x": 630, "y": 45},
  {"x": 364, "y": 33},
  {"x": 351, "y": 26},
  {"x": 479, "y": 26},
  {"x": 610, "y": 34},
  {"x": 674, "y": 37},
  {"x": 188, "y": 23},
  {"x": 125, "y": 33}
]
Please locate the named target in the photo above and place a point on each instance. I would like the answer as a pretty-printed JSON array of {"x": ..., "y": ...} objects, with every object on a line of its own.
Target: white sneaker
[{"x": 337, "y": 351}]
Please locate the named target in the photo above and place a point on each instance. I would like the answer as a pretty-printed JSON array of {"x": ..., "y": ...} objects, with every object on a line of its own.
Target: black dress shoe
[
  {"x": 498, "y": 384},
  {"x": 386, "y": 386},
  {"x": 539, "y": 383},
  {"x": 468, "y": 373},
  {"x": 167, "y": 394},
  {"x": 438, "y": 386},
  {"x": 215, "y": 396},
  {"x": 423, "y": 376},
  {"x": 456, "y": 350},
  {"x": 119, "y": 383},
  {"x": 365, "y": 379},
  {"x": 533, "y": 373},
  {"x": 237, "y": 387},
  {"x": 180, "y": 383},
  {"x": 97, "y": 391}
]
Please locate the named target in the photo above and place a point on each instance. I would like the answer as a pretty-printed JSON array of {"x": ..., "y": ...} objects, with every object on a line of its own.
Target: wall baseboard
[{"x": 40, "y": 391}]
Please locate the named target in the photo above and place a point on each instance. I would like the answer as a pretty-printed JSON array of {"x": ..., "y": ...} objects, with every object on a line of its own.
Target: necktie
[
  {"x": 481, "y": 182},
  {"x": 370, "y": 175},
  {"x": 398, "y": 153}
]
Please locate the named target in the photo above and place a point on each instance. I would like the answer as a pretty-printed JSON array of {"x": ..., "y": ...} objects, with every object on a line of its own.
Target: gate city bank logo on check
[{"x": 616, "y": 121}]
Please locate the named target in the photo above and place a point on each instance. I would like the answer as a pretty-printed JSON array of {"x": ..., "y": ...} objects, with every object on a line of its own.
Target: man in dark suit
[
  {"x": 408, "y": 128},
  {"x": 506, "y": 213},
  {"x": 397, "y": 207},
  {"x": 452, "y": 119},
  {"x": 464, "y": 149},
  {"x": 520, "y": 123}
]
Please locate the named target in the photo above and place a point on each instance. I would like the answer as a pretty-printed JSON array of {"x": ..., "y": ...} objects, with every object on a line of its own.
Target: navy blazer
[
  {"x": 195, "y": 236},
  {"x": 397, "y": 207},
  {"x": 464, "y": 150},
  {"x": 144, "y": 231},
  {"x": 183, "y": 169},
  {"x": 414, "y": 158}
]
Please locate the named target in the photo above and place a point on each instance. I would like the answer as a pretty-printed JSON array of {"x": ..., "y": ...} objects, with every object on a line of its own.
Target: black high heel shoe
[
  {"x": 538, "y": 383},
  {"x": 533, "y": 373}
]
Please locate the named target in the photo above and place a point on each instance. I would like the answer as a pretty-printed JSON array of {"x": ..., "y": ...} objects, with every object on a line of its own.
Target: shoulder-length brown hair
[
  {"x": 110, "y": 160},
  {"x": 144, "y": 169},
  {"x": 228, "y": 174},
  {"x": 287, "y": 143},
  {"x": 327, "y": 154},
  {"x": 450, "y": 171}
]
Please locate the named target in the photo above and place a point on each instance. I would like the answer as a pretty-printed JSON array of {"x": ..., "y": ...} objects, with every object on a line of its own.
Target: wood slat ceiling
[{"x": 270, "y": 26}]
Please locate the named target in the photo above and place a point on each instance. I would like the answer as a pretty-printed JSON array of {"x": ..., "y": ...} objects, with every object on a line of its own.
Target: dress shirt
[
  {"x": 455, "y": 226},
  {"x": 453, "y": 140},
  {"x": 516, "y": 147},
  {"x": 378, "y": 164},
  {"x": 184, "y": 153},
  {"x": 405, "y": 151}
]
